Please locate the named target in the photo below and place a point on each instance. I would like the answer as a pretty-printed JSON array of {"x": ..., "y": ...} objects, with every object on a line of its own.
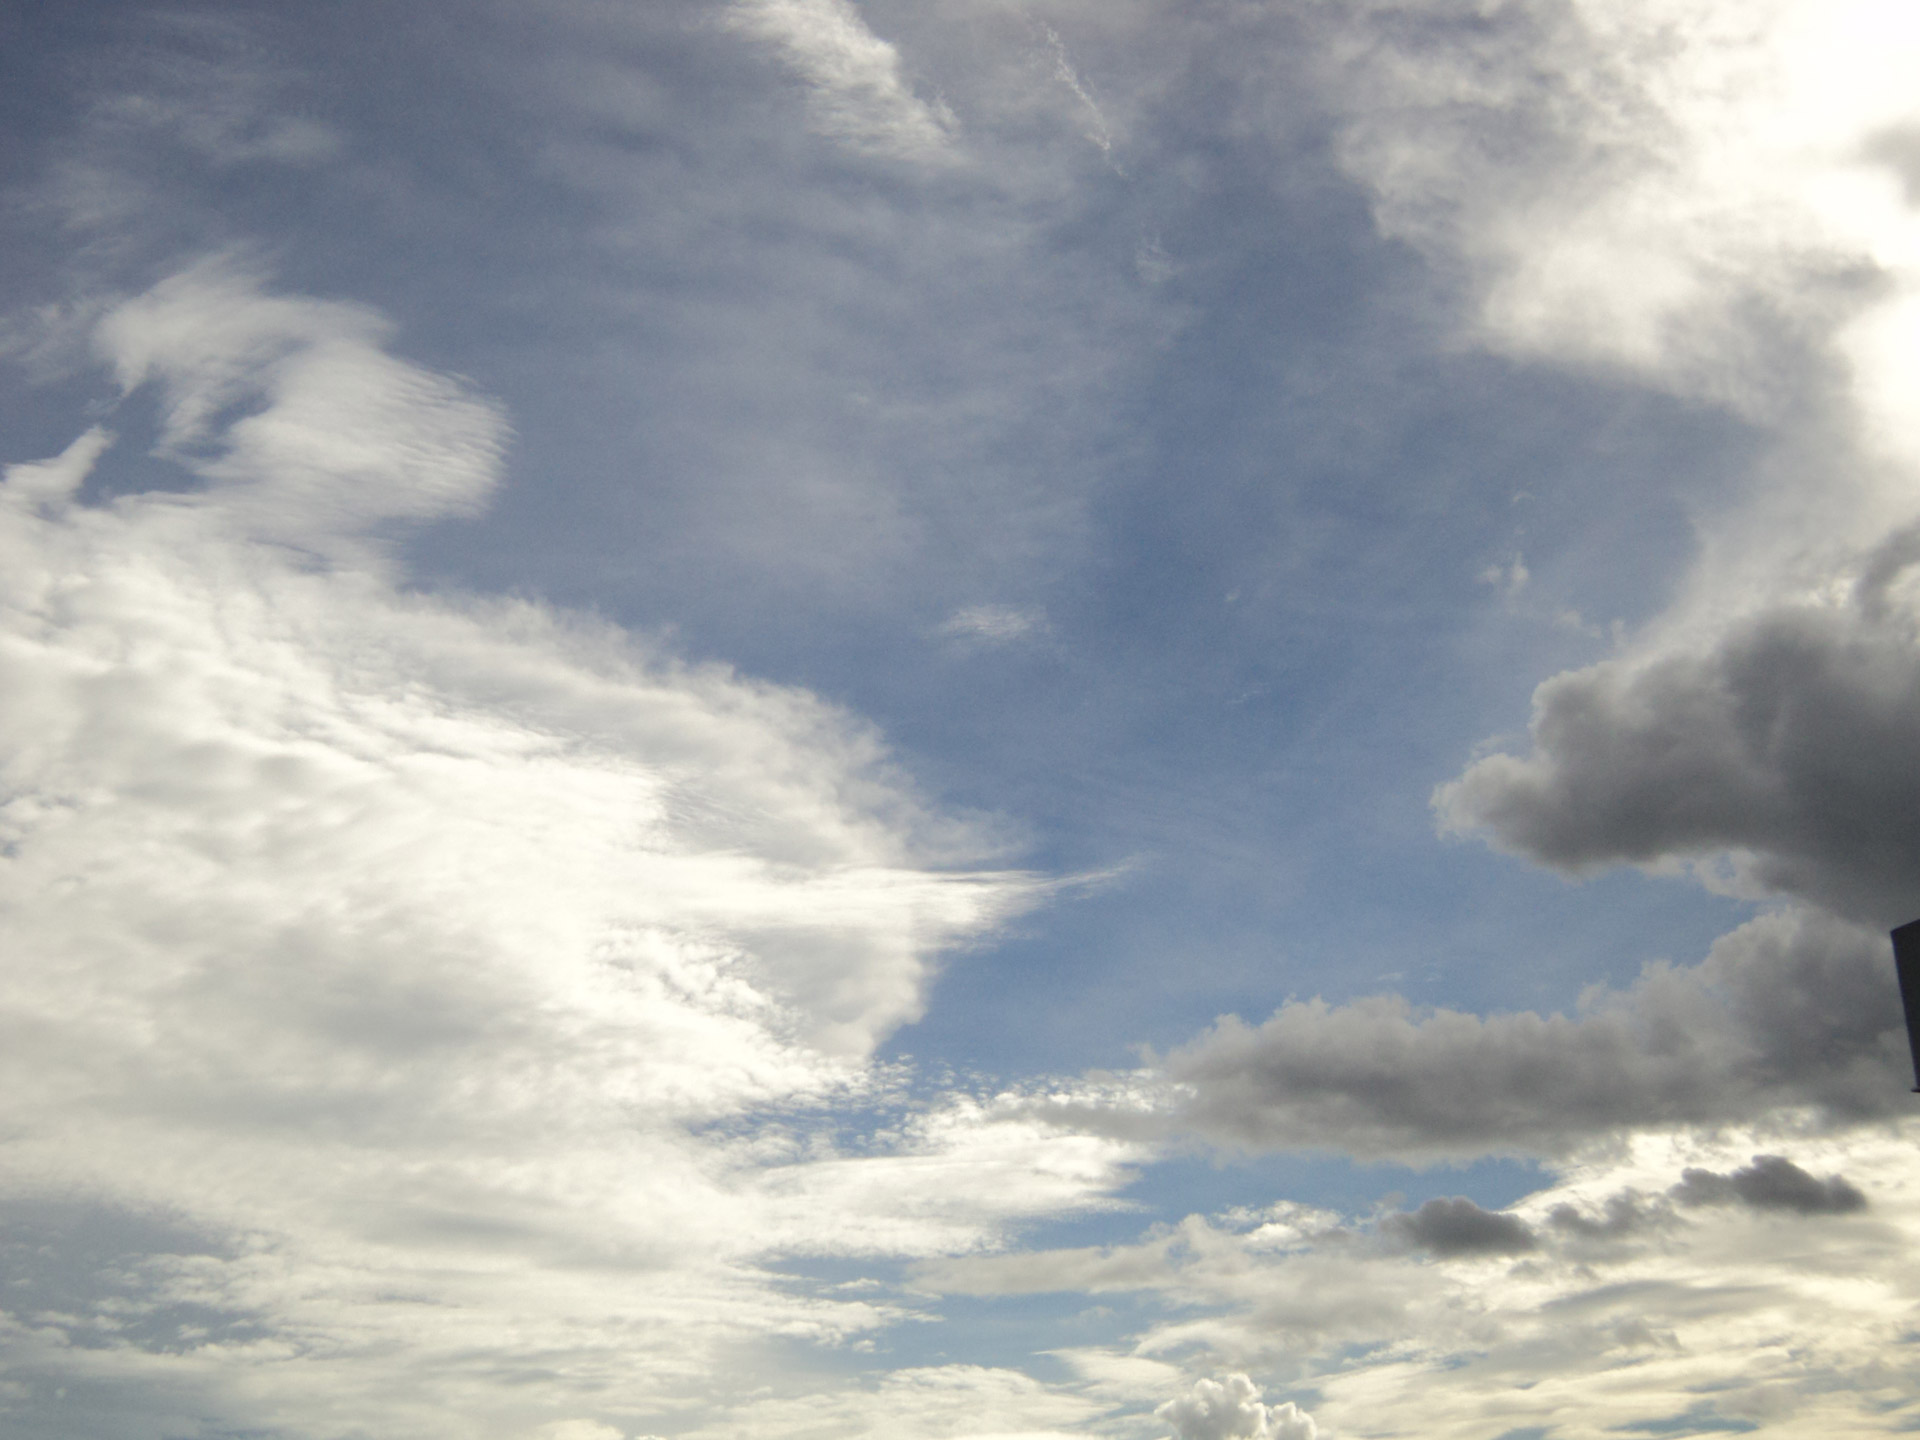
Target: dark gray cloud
[
  {"x": 1771, "y": 1182},
  {"x": 1457, "y": 1226},
  {"x": 1793, "y": 1008},
  {"x": 1625, "y": 1214},
  {"x": 1790, "y": 739}
]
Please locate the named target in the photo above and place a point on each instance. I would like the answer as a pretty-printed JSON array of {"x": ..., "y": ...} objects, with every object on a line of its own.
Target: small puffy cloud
[
  {"x": 1231, "y": 1409},
  {"x": 954, "y": 1177},
  {"x": 1456, "y": 1226},
  {"x": 1792, "y": 1009},
  {"x": 1771, "y": 1182}
]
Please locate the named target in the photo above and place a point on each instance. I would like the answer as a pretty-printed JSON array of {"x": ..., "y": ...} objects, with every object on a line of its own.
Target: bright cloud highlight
[{"x": 397, "y": 956}]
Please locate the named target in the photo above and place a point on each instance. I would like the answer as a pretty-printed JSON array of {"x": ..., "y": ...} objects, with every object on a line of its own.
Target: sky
[{"x": 961, "y": 720}]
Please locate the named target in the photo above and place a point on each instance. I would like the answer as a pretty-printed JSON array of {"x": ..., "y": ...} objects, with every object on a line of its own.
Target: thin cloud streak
[{"x": 856, "y": 92}]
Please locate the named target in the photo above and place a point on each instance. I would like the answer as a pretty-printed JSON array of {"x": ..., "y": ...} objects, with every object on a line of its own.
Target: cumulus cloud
[
  {"x": 1712, "y": 199},
  {"x": 1792, "y": 1009},
  {"x": 1457, "y": 1226},
  {"x": 457, "y": 977},
  {"x": 1771, "y": 1182},
  {"x": 856, "y": 91},
  {"x": 1231, "y": 1409},
  {"x": 1706, "y": 195},
  {"x": 1784, "y": 743}
]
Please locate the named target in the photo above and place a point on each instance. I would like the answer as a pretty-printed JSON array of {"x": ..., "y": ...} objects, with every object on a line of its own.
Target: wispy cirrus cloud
[
  {"x": 857, "y": 92},
  {"x": 991, "y": 624},
  {"x": 375, "y": 944}
]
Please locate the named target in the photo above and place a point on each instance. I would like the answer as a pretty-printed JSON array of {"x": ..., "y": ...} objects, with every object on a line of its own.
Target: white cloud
[
  {"x": 945, "y": 1402},
  {"x": 857, "y": 94},
  {"x": 341, "y": 435},
  {"x": 1623, "y": 178},
  {"x": 1730, "y": 1316},
  {"x": 1231, "y": 1409},
  {"x": 1643, "y": 1298},
  {"x": 1097, "y": 129},
  {"x": 452, "y": 976},
  {"x": 1709, "y": 198}
]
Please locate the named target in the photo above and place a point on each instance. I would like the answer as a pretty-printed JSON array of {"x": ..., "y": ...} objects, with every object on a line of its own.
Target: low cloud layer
[
  {"x": 1668, "y": 1256},
  {"x": 1794, "y": 1009}
]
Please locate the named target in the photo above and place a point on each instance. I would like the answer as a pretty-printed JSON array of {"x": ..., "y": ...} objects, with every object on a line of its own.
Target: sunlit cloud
[{"x": 383, "y": 945}]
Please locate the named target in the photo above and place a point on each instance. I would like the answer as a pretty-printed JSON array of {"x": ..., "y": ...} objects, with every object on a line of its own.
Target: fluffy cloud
[
  {"x": 1793, "y": 1009},
  {"x": 1692, "y": 194},
  {"x": 1707, "y": 198},
  {"x": 1785, "y": 743},
  {"x": 1231, "y": 1409},
  {"x": 1684, "y": 189},
  {"x": 426, "y": 994},
  {"x": 1705, "y": 195}
]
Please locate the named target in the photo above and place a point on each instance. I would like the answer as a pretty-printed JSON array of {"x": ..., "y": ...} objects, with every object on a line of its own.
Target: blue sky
[{"x": 958, "y": 720}]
